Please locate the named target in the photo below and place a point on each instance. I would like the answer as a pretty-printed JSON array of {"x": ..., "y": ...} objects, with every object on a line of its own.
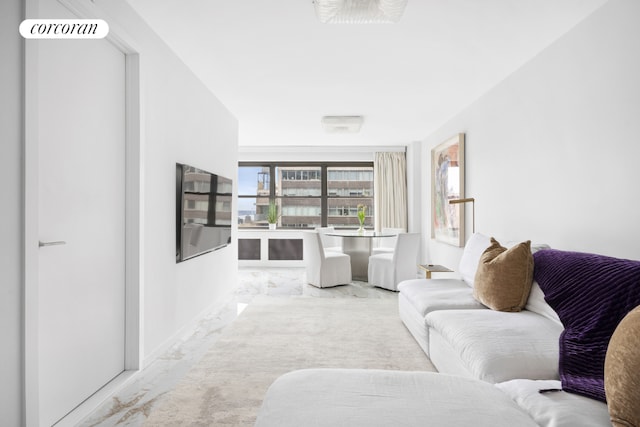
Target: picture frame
[{"x": 447, "y": 183}]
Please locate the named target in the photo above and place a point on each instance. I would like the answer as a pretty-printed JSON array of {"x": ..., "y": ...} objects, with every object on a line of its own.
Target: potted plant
[{"x": 272, "y": 215}]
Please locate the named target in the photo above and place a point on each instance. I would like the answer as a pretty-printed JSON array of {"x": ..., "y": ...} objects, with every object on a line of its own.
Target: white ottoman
[{"x": 369, "y": 398}]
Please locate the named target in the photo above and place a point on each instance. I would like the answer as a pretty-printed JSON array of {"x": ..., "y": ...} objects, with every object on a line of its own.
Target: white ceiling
[{"x": 279, "y": 70}]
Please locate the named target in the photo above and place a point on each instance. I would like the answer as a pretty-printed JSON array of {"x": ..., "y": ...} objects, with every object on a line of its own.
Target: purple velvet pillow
[{"x": 591, "y": 294}]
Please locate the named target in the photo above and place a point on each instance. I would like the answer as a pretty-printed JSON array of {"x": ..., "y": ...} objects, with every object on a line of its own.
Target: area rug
[{"x": 275, "y": 335}]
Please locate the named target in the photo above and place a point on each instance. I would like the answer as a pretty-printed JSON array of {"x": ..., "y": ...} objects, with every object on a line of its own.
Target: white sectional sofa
[
  {"x": 379, "y": 398},
  {"x": 463, "y": 337},
  {"x": 495, "y": 368}
]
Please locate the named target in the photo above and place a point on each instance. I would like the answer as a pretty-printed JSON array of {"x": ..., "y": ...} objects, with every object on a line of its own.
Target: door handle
[{"x": 59, "y": 242}]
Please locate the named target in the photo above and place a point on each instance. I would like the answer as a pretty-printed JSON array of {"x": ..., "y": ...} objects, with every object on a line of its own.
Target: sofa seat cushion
[
  {"x": 427, "y": 295},
  {"x": 369, "y": 397},
  {"x": 498, "y": 346},
  {"x": 555, "y": 408}
]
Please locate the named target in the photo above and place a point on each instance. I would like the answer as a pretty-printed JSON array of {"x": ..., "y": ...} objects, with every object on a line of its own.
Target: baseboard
[
  {"x": 184, "y": 332},
  {"x": 97, "y": 399}
]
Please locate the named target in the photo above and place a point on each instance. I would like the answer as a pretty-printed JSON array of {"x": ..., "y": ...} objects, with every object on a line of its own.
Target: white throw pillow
[
  {"x": 471, "y": 256},
  {"x": 537, "y": 304}
]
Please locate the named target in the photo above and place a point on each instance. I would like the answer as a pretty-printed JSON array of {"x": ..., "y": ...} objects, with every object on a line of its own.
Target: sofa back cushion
[
  {"x": 504, "y": 276},
  {"x": 473, "y": 251},
  {"x": 471, "y": 257}
]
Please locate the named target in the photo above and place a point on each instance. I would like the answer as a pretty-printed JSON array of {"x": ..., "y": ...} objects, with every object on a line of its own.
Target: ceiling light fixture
[
  {"x": 359, "y": 11},
  {"x": 342, "y": 124}
]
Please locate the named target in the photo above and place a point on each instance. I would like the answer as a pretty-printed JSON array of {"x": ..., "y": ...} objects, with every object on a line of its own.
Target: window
[
  {"x": 308, "y": 195},
  {"x": 349, "y": 187}
]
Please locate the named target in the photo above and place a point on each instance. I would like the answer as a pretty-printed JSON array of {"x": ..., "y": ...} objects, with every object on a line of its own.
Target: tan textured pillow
[
  {"x": 504, "y": 276},
  {"x": 622, "y": 372}
]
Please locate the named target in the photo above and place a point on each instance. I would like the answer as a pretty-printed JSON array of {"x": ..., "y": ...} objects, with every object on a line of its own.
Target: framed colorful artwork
[{"x": 447, "y": 183}]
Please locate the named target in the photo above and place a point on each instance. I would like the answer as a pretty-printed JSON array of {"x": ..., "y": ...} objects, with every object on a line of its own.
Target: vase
[
  {"x": 272, "y": 226},
  {"x": 361, "y": 229}
]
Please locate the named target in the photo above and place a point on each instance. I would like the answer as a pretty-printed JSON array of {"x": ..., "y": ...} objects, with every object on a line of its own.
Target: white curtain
[{"x": 390, "y": 190}]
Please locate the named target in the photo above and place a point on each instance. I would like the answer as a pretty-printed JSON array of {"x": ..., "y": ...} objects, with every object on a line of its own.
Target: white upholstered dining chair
[
  {"x": 387, "y": 244},
  {"x": 324, "y": 268},
  {"x": 329, "y": 243},
  {"x": 386, "y": 270}
]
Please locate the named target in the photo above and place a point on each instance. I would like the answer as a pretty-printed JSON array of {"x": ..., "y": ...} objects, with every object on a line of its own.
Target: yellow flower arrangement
[{"x": 361, "y": 214}]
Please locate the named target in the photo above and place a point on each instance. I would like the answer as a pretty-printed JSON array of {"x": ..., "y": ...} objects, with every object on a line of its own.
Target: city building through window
[{"x": 307, "y": 195}]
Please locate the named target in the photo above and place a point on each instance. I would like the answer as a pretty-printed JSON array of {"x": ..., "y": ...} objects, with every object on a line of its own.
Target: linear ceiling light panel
[
  {"x": 359, "y": 11},
  {"x": 342, "y": 124}
]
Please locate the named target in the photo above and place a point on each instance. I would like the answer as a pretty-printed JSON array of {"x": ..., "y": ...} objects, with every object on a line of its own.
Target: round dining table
[{"x": 358, "y": 246}]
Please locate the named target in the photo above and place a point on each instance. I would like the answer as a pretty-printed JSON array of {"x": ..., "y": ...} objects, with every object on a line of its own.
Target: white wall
[
  {"x": 552, "y": 151},
  {"x": 182, "y": 122},
  {"x": 11, "y": 225}
]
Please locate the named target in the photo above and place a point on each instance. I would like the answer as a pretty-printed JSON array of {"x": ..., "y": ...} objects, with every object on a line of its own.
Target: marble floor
[{"x": 134, "y": 402}]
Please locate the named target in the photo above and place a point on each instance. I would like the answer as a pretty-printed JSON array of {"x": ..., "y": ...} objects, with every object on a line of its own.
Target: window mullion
[
  {"x": 272, "y": 183},
  {"x": 324, "y": 203}
]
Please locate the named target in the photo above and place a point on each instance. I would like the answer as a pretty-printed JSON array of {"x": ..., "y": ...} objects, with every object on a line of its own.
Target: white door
[{"x": 81, "y": 143}]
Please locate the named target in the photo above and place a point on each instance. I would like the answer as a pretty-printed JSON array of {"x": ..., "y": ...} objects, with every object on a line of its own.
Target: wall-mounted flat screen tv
[{"x": 203, "y": 211}]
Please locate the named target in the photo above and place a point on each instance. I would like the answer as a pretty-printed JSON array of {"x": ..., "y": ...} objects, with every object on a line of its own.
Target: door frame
[{"x": 134, "y": 229}]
